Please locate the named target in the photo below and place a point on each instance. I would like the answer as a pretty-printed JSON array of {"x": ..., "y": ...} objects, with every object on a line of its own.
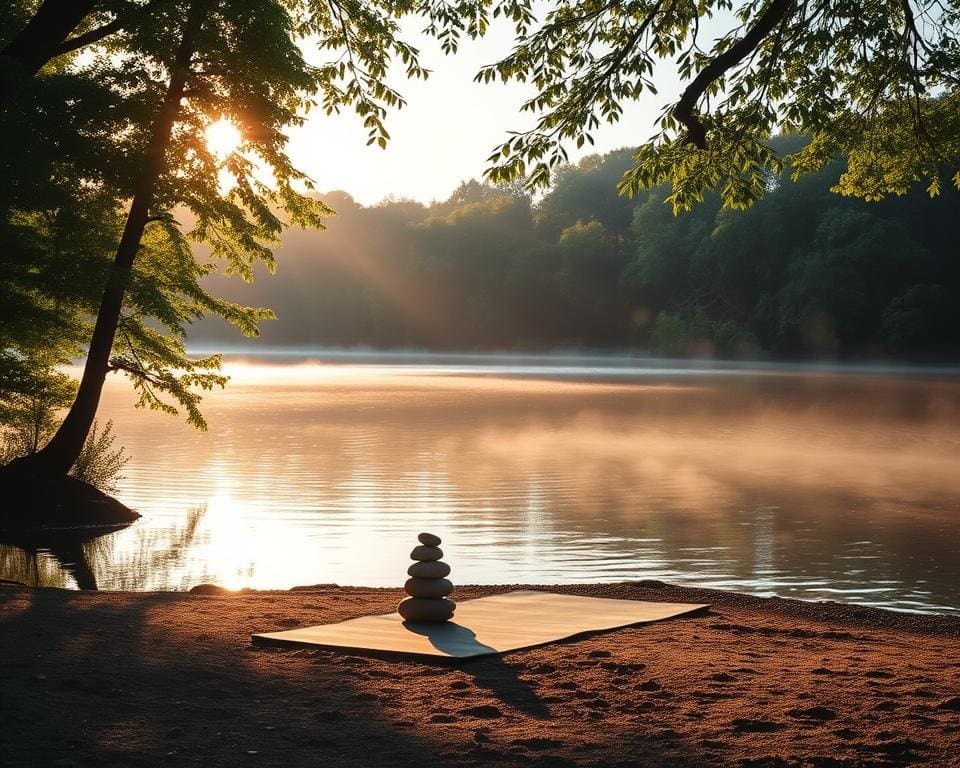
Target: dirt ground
[{"x": 145, "y": 679}]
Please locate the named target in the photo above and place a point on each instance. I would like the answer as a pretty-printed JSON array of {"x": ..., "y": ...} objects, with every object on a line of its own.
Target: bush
[
  {"x": 28, "y": 411},
  {"x": 99, "y": 464}
]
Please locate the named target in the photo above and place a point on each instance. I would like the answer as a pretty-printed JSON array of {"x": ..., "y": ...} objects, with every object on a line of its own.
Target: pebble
[
  {"x": 425, "y": 609},
  {"x": 428, "y": 587},
  {"x": 429, "y": 539},
  {"x": 426, "y": 553},
  {"x": 209, "y": 589},
  {"x": 431, "y": 569}
]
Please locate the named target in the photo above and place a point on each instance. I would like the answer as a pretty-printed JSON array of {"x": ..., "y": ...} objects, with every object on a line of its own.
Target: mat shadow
[
  {"x": 451, "y": 638},
  {"x": 488, "y": 671}
]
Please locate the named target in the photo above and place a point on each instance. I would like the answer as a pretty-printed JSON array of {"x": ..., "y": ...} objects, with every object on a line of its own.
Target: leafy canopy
[
  {"x": 85, "y": 109},
  {"x": 873, "y": 82}
]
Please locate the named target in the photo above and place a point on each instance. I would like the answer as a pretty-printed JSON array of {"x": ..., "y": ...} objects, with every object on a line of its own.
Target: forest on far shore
[{"x": 802, "y": 274}]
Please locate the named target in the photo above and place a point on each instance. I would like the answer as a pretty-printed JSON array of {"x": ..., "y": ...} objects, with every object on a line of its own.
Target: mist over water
[{"x": 800, "y": 482}]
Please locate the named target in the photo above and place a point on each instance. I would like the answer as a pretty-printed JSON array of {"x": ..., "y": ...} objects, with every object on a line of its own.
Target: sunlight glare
[
  {"x": 223, "y": 138},
  {"x": 236, "y": 536}
]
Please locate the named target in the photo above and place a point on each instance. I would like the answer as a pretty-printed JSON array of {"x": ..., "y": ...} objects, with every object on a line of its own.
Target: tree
[
  {"x": 238, "y": 232},
  {"x": 485, "y": 270},
  {"x": 463, "y": 255},
  {"x": 586, "y": 191},
  {"x": 842, "y": 285},
  {"x": 52, "y": 30},
  {"x": 875, "y": 83},
  {"x": 160, "y": 82},
  {"x": 591, "y": 259}
]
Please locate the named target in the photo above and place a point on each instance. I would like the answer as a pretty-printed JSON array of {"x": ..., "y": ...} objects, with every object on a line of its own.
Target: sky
[{"x": 447, "y": 130}]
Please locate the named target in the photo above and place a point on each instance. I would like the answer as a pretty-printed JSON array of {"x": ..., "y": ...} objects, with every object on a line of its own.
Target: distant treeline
[{"x": 804, "y": 273}]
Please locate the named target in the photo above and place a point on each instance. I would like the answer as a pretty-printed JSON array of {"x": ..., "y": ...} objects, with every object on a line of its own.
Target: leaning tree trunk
[
  {"x": 41, "y": 38},
  {"x": 48, "y": 34},
  {"x": 60, "y": 454},
  {"x": 38, "y": 42}
]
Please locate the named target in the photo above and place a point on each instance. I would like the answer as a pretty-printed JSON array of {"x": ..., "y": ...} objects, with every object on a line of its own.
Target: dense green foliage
[
  {"x": 104, "y": 107},
  {"x": 803, "y": 273},
  {"x": 874, "y": 82},
  {"x": 85, "y": 127}
]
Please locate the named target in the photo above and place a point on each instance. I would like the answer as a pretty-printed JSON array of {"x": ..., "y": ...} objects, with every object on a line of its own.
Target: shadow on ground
[{"x": 102, "y": 679}]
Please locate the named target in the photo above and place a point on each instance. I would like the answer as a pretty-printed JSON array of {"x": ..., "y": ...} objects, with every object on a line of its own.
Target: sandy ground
[{"x": 128, "y": 679}]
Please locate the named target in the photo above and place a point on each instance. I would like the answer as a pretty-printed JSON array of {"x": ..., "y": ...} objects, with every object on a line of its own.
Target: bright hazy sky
[{"x": 447, "y": 130}]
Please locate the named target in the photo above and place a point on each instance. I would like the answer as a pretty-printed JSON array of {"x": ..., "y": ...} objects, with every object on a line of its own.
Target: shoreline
[
  {"x": 124, "y": 678},
  {"x": 653, "y": 589}
]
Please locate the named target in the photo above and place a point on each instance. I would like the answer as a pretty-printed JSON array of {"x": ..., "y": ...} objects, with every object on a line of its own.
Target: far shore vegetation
[{"x": 803, "y": 274}]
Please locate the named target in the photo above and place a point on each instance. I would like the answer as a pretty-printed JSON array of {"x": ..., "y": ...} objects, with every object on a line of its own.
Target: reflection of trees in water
[
  {"x": 35, "y": 569},
  {"x": 157, "y": 559},
  {"x": 89, "y": 557},
  {"x": 48, "y": 558}
]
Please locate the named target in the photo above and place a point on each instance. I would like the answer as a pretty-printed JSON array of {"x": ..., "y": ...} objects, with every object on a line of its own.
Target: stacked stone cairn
[{"x": 427, "y": 586}]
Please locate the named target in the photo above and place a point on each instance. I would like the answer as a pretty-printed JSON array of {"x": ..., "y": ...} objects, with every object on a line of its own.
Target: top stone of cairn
[{"x": 429, "y": 540}]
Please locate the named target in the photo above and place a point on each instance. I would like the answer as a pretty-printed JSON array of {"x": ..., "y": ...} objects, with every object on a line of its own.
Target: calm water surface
[{"x": 803, "y": 483}]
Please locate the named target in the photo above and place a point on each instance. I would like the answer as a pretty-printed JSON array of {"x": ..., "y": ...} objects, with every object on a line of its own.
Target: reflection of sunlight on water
[
  {"x": 235, "y": 538},
  {"x": 434, "y": 377},
  {"x": 229, "y": 552},
  {"x": 326, "y": 473},
  {"x": 286, "y": 375}
]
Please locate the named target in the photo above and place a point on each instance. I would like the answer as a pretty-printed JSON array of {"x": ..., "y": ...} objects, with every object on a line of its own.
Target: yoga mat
[{"x": 488, "y": 625}]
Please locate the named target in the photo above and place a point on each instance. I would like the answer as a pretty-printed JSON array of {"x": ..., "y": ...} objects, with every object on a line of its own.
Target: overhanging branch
[
  {"x": 685, "y": 111},
  {"x": 122, "y": 21},
  {"x": 93, "y": 36}
]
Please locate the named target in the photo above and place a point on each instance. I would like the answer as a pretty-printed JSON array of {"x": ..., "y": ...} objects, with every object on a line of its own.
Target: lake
[{"x": 802, "y": 482}]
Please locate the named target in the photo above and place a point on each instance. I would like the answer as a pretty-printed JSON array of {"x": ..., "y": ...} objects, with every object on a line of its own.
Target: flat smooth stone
[
  {"x": 428, "y": 587},
  {"x": 430, "y": 539},
  {"x": 423, "y": 553},
  {"x": 424, "y": 609},
  {"x": 430, "y": 569}
]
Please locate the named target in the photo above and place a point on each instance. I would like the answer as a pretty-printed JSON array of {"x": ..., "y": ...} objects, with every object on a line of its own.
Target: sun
[{"x": 223, "y": 138}]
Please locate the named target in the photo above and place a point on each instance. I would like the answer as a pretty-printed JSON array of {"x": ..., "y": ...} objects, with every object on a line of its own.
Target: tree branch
[
  {"x": 684, "y": 112},
  {"x": 34, "y": 45},
  {"x": 105, "y": 30},
  {"x": 93, "y": 36}
]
